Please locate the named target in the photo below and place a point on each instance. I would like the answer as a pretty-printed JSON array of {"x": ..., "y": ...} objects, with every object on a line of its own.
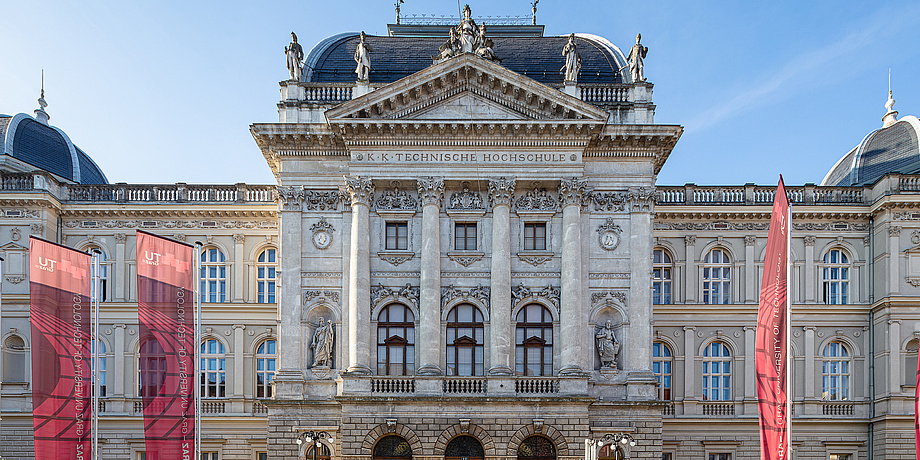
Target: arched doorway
[
  {"x": 322, "y": 454},
  {"x": 610, "y": 452},
  {"x": 392, "y": 448},
  {"x": 536, "y": 448},
  {"x": 464, "y": 448}
]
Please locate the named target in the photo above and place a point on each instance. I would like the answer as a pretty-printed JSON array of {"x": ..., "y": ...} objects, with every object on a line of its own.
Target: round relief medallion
[
  {"x": 322, "y": 239},
  {"x": 609, "y": 240}
]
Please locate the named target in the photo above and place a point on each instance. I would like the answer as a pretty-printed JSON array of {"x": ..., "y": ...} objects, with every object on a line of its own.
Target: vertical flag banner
[
  {"x": 165, "y": 294},
  {"x": 61, "y": 315},
  {"x": 917, "y": 411},
  {"x": 772, "y": 345}
]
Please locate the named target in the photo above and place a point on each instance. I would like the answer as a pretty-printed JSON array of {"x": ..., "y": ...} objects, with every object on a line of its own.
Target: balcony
[{"x": 440, "y": 386}]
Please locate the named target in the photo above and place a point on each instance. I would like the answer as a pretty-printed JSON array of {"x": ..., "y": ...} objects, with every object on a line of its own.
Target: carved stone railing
[
  {"x": 259, "y": 408},
  {"x": 536, "y": 385},
  {"x": 668, "y": 411},
  {"x": 213, "y": 407},
  {"x": 171, "y": 193},
  {"x": 721, "y": 409},
  {"x": 327, "y": 93},
  {"x": 17, "y": 181},
  {"x": 396, "y": 385},
  {"x": 464, "y": 386},
  {"x": 839, "y": 408},
  {"x": 604, "y": 94},
  {"x": 750, "y": 194}
]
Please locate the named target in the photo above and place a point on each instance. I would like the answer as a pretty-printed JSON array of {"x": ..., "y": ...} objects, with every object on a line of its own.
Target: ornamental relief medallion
[
  {"x": 322, "y": 234},
  {"x": 608, "y": 234}
]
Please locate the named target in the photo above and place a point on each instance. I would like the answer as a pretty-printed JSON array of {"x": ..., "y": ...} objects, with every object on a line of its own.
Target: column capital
[
  {"x": 810, "y": 240},
  {"x": 809, "y": 328},
  {"x": 430, "y": 190},
  {"x": 690, "y": 240},
  {"x": 120, "y": 238},
  {"x": 239, "y": 238},
  {"x": 290, "y": 198},
  {"x": 359, "y": 189},
  {"x": 640, "y": 199},
  {"x": 501, "y": 190},
  {"x": 239, "y": 326},
  {"x": 573, "y": 191},
  {"x": 749, "y": 240},
  {"x": 750, "y": 329},
  {"x": 119, "y": 326},
  {"x": 689, "y": 328},
  {"x": 894, "y": 231}
]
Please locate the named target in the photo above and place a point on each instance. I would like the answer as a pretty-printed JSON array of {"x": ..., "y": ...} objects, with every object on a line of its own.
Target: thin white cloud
[{"x": 883, "y": 24}]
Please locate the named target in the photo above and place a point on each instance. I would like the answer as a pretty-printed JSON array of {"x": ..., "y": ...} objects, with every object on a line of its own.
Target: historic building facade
[{"x": 466, "y": 255}]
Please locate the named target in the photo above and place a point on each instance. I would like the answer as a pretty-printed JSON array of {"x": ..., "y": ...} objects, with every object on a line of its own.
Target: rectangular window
[
  {"x": 722, "y": 456},
  {"x": 535, "y": 236},
  {"x": 397, "y": 236},
  {"x": 840, "y": 456},
  {"x": 209, "y": 456},
  {"x": 262, "y": 456},
  {"x": 666, "y": 456},
  {"x": 465, "y": 237}
]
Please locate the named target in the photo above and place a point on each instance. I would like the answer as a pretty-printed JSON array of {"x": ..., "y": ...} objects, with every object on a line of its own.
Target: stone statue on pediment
[
  {"x": 485, "y": 46},
  {"x": 636, "y": 55},
  {"x": 294, "y": 53},
  {"x": 468, "y": 32},
  {"x": 572, "y": 61},
  {"x": 363, "y": 58}
]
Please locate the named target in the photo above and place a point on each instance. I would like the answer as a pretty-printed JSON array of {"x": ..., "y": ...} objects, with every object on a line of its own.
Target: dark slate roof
[
  {"x": 394, "y": 58},
  {"x": 886, "y": 150},
  {"x": 47, "y": 148}
]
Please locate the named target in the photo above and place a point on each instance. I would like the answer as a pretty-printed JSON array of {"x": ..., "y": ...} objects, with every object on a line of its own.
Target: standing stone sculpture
[
  {"x": 485, "y": 46},
  {"x": 607, "y": 345},
  {"x": 468, "y": 32},
  {"x": 294, "y": 53},
  {"x": 572, "y": 61},
  {"x": 636, "y": 55},
  {"x": 322, "y": 343},
  {"x": 363, "y": 58}
]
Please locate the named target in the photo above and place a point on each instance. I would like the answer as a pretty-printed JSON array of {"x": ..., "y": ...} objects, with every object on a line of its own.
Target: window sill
[
  {"x": 465, "y": 258},
  {"x": 535, "y": 258},
  {"x": 395, "y": 257}
]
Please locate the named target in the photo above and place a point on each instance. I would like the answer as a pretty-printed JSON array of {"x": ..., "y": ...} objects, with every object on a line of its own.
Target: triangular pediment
[{"x": 466, "y": 88}]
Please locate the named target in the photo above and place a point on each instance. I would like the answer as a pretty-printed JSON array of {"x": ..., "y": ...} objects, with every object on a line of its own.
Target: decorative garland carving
[
  {"x": 573, "y": 191},
  {"x": 535, "y": 259},
  {"x": 381, "y": 293},
  {"x": 536, "y": 200},
  {"x": 396, "y": 259},
  {"x": 835, "y": 226},
  {"x": 609, "y": 201},
  {"x": 250, "y": 224},
  {"x": 466, "y": 200},
  {"x": 395, "y": 200},
  {"x": 479, "y": 293},
  {"x": 329, "y": 296},
  {"x": 549, "y": 293},
  {"x": 501, "y": 191},
  {"x": 640, "y": 198},
  {"x": 466, "y": 260},
  {"x": 603, "y": 297}
]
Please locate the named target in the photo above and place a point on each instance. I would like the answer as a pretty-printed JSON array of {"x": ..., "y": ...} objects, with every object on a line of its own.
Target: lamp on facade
[
  {"x": 593, "y": 446},
  {"x": 315, "y": 438}
]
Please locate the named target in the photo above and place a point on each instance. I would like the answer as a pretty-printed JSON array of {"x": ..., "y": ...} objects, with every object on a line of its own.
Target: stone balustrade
[
  {"x": 750, "y": 194},
  {"x": 171, "y": 193}
]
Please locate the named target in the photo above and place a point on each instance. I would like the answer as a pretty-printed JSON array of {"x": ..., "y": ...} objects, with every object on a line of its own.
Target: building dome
[
  {"x": 39, "y": 145},
  {"x": 894, "y": 148},
  {"x": 395, "y": 57}
]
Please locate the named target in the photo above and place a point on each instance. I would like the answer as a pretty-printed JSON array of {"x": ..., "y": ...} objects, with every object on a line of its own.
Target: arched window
[
  {"x": 464, "y": 341},
  {"x": 392, "y": 447},
  {"x": 910, "y": 362},
  {"x": 265, "y": 276},
  {"x": 717, "y": 372},
  {"x": 103, "y": 274},
  {"x": 396, "y": 341},
  {"x": 266, "y": 355},
  {"x": 213, "y": 276},
  {"x": 14, "y": 360},
  {"x": 836, "y": 278},
  {"x": 661, "y": 277},
  {"x": 717, "y": 268},
  {"x": 534, "y": 341},
  {"x": 151, "y": 368},
  {"x": 661, "y": 366},
  {"x": 464, "y": 448},
  {"x": 835, "y": 372},
  {"x": 102, "y": 368},
  {"x": 536, "y": 448},
  {"x": 610, "y": 452},
  {"x": 213, "y": 369},
  {"x": 322, "y": 454}
]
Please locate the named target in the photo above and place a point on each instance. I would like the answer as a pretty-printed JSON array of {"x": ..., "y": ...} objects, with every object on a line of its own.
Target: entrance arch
[
  {"x": 392, "y": 447},
  {"x": 464, "y": 447},
  {"x": 536, "y": 448}
]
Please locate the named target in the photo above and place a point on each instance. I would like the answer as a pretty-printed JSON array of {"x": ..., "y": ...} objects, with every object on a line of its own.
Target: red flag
[
  {"x": 917, "y": 411},
  {"x": 772, "y": 342},
  {"x": 165, "y": 310},
  {"x": 61, "y": 313}
]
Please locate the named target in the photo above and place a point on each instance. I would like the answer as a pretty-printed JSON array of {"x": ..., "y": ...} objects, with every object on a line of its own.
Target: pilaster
[
  {"x": 361, "y": 192},
  {"x": 750, "y": 357},
  {"x": 689, "y": 363},
  {"x": 117, "y": 370},
  {"x": 238, "y": 244},
  {"x": 640, "y": 201},
  {"x": 894, "y": 274},
  {"x": 750, "y": 269},
  {"x": 501, "y": 192},
  {"x": 691, "y": 288},
  {"x": 809, "y": 362},
  {"x": 120, "y": 278},
  {"x": 289, "y": 380},
  {"x": 894, "y": 356},
  {"x": 574, "y": 340},
  {"x": 431, "y": 193},
  {"x": 810, "y": 277},
  {"x": 238, "y": 365}
]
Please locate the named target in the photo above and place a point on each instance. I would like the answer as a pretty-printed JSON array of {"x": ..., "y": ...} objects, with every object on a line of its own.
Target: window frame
[
  {"x": 475, "y": 344},
  {"x": 836, "y": 268},
  {"x": 104, "y": 268},
  {"x": 465, "y": 237},
  {"x": 724, "y": 387},
  {"x": 708, "y": 283},
  {"x": 393, "y": 341},
  {"x": 836, "y": 367},
  {"x": 533, "y": 239},
  {"x": 159, "y": 357},
  {"x": 662, "y": 277},
  {"x": 397, "y": 225},
  {"x": 266, "y": 286},
  {"x": 220, "y": 372},
  {"x": 523, "y": 344},
  {"x": 263, "y": 384},
  {"x": 664, "y": 369},
  {"x": 213, "y": 289}
]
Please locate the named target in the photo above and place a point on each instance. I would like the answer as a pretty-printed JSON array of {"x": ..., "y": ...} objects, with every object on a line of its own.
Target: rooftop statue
[
  {"x": 636, "y": 55},
  {"x": 468, "y": 31},
  {"x": 294, "y": 53},
  {"x": 467, "y": 37},
  {"x": 485, "y": 46},
  {"x": 572, "y": 61},
  {"x": 450, "y": 48},
  {"x": 363, "y": 58}
]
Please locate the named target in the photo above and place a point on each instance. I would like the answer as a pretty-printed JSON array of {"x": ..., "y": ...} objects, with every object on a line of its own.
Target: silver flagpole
[
  {"x": 95, "y": 348},
  {"x": 198, "y": 349}
]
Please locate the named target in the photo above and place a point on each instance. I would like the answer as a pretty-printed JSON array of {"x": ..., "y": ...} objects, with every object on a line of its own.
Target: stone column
[
  {"x": 640, "y": 380},
  {"x": 809, "y": 361},
  {"x": 361, "y": 191},
  {"x": 750, "y": 357},
  {"x": 689, "y": 362},
  {"x": 572, "y": 320},
  {"x": 238, "y": 366},
  {"x": 119, "y": 278},
  {"x": 501, "y": 337},
  {"x": 692, "y": 288},
  {"x": 289, "y": 380},
  {"x": 894, "y": 356},
  {"x": 894, "y": 259},
  {"x": 810, "y": 277},
  {"x": 430, "y": 193},
  {"x": 750, "y": 270},
  {"x": 117, "y": 374},
  {"x": 238, "y": 267}
]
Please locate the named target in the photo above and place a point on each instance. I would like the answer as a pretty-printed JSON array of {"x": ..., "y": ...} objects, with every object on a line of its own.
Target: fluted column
[
  {"x": 501, "y": 337},
  {"x": 573, "y": 338},
  {"x": 289, "y": 379},
  {"x": 361, "y": 192},
  {"x": 430, "y": 193}
]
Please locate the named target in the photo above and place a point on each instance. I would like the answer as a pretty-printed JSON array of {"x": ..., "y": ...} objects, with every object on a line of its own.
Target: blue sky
[{"x": 164, "y": 91}]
